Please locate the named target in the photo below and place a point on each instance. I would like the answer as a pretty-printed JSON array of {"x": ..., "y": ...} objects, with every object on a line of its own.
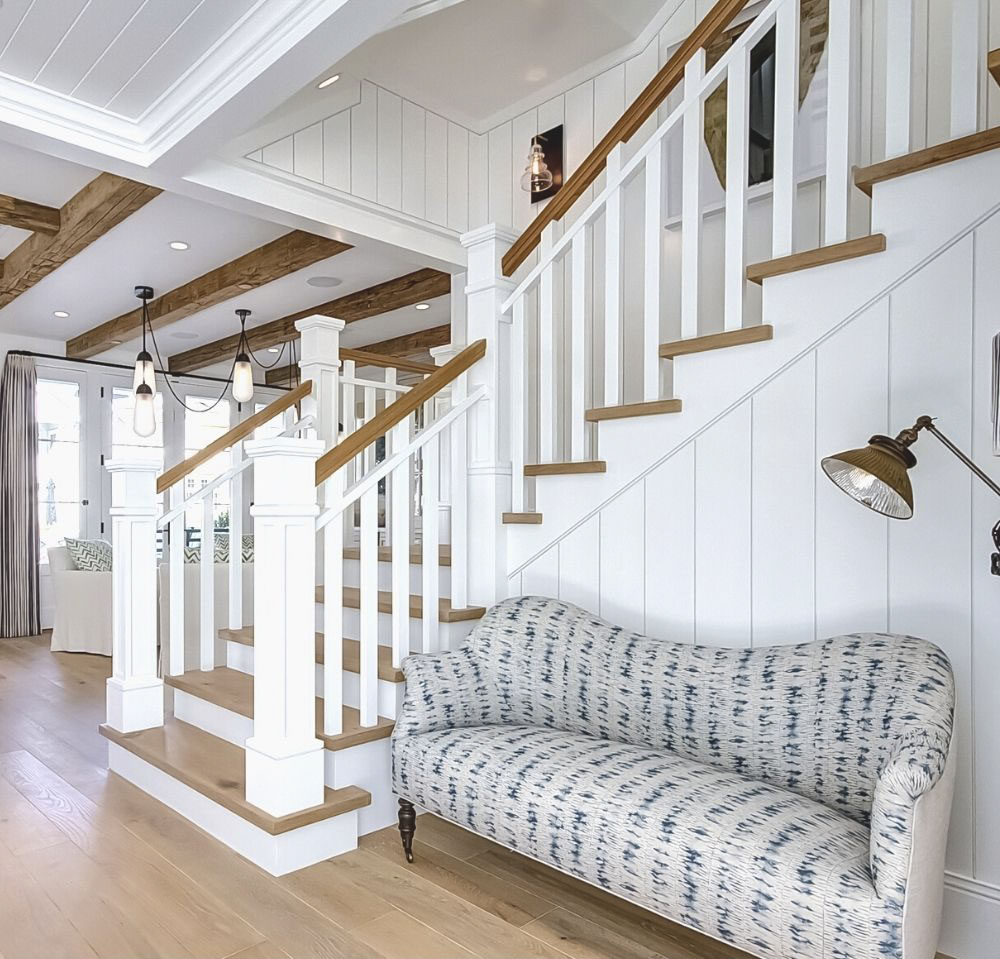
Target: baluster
[
  {"x": 693, "y": 136},
  {"x": 390, "y": 398},
  {"x": 207, "y": 582},
  {"x": 177, "y": 583},
  {"x": 369, "y": 455},
  {"x": 430, "y": 558},
  {"x": 786, "y": 111},
  {"x": 841, "y": 59},
  {"x": 518, "y": 407},
  {"x": 737, "y": 159},
  {"x": 578, "y": 347},
  {"x": 613, "y": 281},
  {"x": 967, "y": 67},
  {"x": 236, "y": 539},
  {"x": 400, "y": 503},
  {"x": 651, "y": 274},
  {"x": 898, "y": 76},
  {"x": 546, "y": 352},
  {"x": 349, "y": 418},
  {"x": 369, "y": 607},
  {"x": 459, "y": 499},
  {"x": 333, "y": 610}
]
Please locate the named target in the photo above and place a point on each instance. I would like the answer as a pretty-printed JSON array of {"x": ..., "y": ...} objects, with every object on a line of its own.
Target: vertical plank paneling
[
  {"x": 669, "y": 548},
  {"x": 436, "y": 197},
  {"x": 578, "y": 136},
  {"x": 501, "y": 210},
  {"x": 541, "y": 578},
  {"x": 279, "y": 154},
  {"x": 898, "y": 76},
  {"x": 523, "y": 129},
  {"x": 364, "y": 142},
  {"x": 851, "y": 590},
  {"x": 580, "y": 567},
  {"x": 609, "y": 104},
  {"x": 390, "y": 149},
  {"x": 414, "y": 150},
  {"x": 783, "y": 477},
  {"x": 458, "y": 177},
  {"x": 337, "y": 151},
  {"x": 722, "y": 521},
  {"x": 622, "y": 581},
  {"x": 307, "y": 153},
  {"x": 929, "y": 555},
  {"x": 479, "y": 180}
]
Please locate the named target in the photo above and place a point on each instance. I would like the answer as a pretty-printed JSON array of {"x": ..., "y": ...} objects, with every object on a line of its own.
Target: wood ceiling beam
[
  {"x": 283, "y": 375},
  {"x": 410, "y": 343},
  {"x": 100, "y": 206},
  {"x": 26, "y": 215},
  {"x": 291, "y": 252},
  {"x": 394, "y": 294}
]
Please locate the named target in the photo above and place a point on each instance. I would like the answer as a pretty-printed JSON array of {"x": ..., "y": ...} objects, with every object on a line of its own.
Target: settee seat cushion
[{"x": 749, "y": 863}]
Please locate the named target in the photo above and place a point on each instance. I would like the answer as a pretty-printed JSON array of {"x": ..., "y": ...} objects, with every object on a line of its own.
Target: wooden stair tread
[
  {"x": 522, "y": 519},
  {"x": 216, "y": 769},
  {"x": 866, "y": 177},
  {"x": 416, "y": 554},
  {"x": 562, "y": 469},
  {"x": 993, "y": 64},
  {"x": 446, "y": 613},
  {"x": 233, "y": 690},
  {"x": 351, "y": 654},
  {"x": 834, "y": 253},
  {"x": 716, "y": 341},
  {"x": 650, "y": 408}
]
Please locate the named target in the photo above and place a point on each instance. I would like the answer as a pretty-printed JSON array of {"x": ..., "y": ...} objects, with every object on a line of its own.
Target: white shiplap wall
[{"x": 736, "y": 538}]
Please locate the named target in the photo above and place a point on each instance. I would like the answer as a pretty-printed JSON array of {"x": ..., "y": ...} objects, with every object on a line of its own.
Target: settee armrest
[
  {"x": 914, "y": 766},
  {"x": 444, "y": 691}
]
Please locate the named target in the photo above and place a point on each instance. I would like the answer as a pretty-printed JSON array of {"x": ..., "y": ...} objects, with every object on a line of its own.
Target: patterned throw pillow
[
  {"x": 192, "y": 554},
  {"x": 90, "y": 555}
]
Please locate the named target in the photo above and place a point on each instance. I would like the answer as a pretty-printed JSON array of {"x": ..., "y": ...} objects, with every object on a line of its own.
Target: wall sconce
[{"x": 542, "y": 175}]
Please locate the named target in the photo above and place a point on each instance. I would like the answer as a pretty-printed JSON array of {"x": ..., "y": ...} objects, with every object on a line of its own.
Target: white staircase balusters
[
  {"x": 968, "y": 65},
  {"x": 176, "y": 560},
  {"x": 459, "y": 494},
  {"x": 547, "y": 379},
  {"x": 613, "y": 222},
  {"x": 134, "y": 691},
  {"x": 236, "y": 539},
  {"x": 580, "y": 313},
  {"x": 284, "y": 759},
  {"x": 333, "y": 611},
  {"x": 786, "y": 112},
  {"x": 206, "y": 597},
  {"x": 399, "y": 485},
  {"x": 429, "y": 544},
  {"x": 842, "y": 61},
  {"x": 898, "y": 76},
  {"x": 691, "y": 220},
  {"x": 737, "y": 161},
  {"x": 369, "y": 606},
  {"x": 652, "y": 292},
  {"x": 519, "y": 405},
  {"x": 349, "y": 423}
]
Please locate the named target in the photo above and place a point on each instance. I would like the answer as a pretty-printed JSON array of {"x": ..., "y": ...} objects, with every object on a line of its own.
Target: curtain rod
[{"x": 123, "y": 366}]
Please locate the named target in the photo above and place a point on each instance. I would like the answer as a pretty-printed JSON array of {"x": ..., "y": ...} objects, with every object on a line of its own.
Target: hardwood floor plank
[
  {"x": 263, "y": 950},
  {"x": 399, "y": 936},
  {"x": 345, "y": 903},
  {"x": 449, "y": 838},
  {"x": 22, "y": 827},
  {"x": 477, "y": 887},
  {"x": 583, "y": 939}
]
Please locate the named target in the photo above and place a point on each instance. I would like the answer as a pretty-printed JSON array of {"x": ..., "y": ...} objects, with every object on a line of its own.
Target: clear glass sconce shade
[
  {"x": 144, "y": 415},
  {"x": 243, "y": 379},
  {"x": 876, "y": 476},
  {"x": 537, "y": 176},
  {"x": 144, "y": 372}
]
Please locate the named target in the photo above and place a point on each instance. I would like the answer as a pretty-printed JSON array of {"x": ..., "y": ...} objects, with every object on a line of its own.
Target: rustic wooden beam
[
  {"x": 101, "y": 205},
  {"x": 642, "y": 108},
  {"x": 283, "y": 375},
  {"x": 26, "y": 215},
  {"x": 382, "y": 298},
  {"x": 410, "y": 343},
  {"x": 291, "y": 252}
]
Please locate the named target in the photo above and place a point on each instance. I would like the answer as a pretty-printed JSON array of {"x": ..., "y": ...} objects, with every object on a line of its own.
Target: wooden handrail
[
  {"x": 389, "y": 362},
  {"x": 394, "y": 413},
  {"x": 641, "y": 109},
  {"x": 167, "y": 479}
]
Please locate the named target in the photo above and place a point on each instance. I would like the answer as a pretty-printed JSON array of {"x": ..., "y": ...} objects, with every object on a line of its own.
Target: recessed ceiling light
[
  {"x": 179, "y": 245},
  {"x": 62, "y": 314},
  {"x": 273, "y": 349},
  {"x": 115, "y": 342},
  {"x": 423, "y": 306},
  {"x": 324, "y": 281},
  {"x": 328, "y": 82},
  {"x": 245, "y": 286}
]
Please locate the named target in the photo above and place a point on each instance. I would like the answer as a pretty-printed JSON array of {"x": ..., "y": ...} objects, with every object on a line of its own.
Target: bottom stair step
[
  {"x": 233, "y": 690},
  {"x": 216, "y": 770}
]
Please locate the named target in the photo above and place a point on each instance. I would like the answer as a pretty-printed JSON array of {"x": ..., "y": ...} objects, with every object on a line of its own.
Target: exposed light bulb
[
  {"x": 144, "y": 415},
  {"x": 144, "y": 372},
  {"x": 243, "y": 379},
  {"x": 537, "y": 176}
]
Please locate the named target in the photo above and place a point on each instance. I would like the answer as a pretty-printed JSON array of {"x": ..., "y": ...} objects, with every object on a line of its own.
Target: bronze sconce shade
[{"x": 876, "y": 475}]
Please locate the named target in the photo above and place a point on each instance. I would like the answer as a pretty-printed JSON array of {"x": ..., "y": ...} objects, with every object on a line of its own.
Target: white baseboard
[
  {"x": 276, "y": 855},
  {"x": 971, "y": 925}
]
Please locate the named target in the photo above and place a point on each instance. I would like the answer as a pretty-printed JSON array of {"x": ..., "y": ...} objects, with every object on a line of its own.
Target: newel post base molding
[
  {"x": 488, "y": 422},
  {"x": 134, "y": 691},
  {"x": 284, "y": 759}
]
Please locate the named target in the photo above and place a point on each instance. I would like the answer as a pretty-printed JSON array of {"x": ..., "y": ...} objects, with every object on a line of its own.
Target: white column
[
  {"x": 443, "y": 403},
  {"x": 320, "y": 363},
  {"x": 134, "y": 691},
  {"x": 284, "y": 758},
  {"x": 488, "y": 429}
]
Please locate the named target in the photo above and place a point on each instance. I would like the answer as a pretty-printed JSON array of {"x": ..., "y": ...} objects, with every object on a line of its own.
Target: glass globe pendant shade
[
  {"x": 876, "y": 476},
  {"x": 144, "y": 415},
  {"x": 144, "y": 372},
  {"x": 243, "y": 379},
  {"x": 537, "y": 176}
]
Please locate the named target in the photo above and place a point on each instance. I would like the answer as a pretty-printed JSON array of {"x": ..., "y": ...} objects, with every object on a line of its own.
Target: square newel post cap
[
  {"x": 319, "y": 322},
  {"x": 486, "y": 248},
  {"x": 133, "y": 484},
  {"x": 284, "y": 473},
  {"x": 442, "y": 354}
]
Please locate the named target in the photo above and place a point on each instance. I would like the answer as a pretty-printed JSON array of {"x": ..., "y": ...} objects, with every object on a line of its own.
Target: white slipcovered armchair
[{"x": 82, "y": 621}]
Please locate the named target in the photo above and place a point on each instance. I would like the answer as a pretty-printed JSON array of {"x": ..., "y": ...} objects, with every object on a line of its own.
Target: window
[
  {"x": 57, "y": 409},
  {"x": 273, "y": 427},
  {"x": 204, "y": 423},
  {"x": 124, "y": 441}
]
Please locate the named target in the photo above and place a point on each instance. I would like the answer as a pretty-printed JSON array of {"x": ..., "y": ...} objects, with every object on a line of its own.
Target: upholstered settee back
[{"x": 820, "y": 719}]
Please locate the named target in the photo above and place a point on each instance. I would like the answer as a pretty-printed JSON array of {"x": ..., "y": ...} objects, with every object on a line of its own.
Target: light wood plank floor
[{"x": 92, "y": 867}]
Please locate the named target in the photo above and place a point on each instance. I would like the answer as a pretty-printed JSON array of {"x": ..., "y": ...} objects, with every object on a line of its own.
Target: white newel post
[
  {"x": 443, "y": 403},
  {"x": 489, "y": 492},
  {"x": 284, "y": 758},
  {"x": 320, "y": 363},
  {"x": 135, "y": 692}
]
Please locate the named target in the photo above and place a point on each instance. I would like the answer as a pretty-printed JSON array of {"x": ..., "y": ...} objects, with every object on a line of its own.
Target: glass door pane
[
  {"x": 205, "y": 421},
  {"x": 61, "y": 483}
]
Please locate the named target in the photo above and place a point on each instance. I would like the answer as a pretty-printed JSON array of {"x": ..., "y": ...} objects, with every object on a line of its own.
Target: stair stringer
[{"x": 805, "y": 309}]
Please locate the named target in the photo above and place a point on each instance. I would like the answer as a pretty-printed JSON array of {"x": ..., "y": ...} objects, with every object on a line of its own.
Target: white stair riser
[
  {"x": 352, "y": 577},
  {"x": 390, "y": 695},
  {"x": 449, "y": 635},
  {"x": 277, "y": 855}
]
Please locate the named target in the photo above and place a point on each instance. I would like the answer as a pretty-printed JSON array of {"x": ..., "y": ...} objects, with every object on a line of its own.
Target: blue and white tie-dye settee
[{"x": 792, "y": 801}]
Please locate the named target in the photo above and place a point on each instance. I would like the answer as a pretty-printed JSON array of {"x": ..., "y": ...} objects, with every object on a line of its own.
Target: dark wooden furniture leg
[{"x": 407, "y": 826}]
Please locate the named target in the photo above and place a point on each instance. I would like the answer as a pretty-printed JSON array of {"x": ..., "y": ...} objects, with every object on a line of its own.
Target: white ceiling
[{"x": 448, "y": 59}]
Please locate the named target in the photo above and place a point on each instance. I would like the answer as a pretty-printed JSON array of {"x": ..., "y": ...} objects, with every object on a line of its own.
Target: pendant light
[
  {"x": 144, "y": 370},
  {"x": 537, "y": 176},
  {"x": 144, "y": 414},
  {"x": 243, "y": 371}
]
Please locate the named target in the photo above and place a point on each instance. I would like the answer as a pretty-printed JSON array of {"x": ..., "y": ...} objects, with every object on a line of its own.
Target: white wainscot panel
[
  {"x": 579, "y": 566},
  {"x": 541, "y": 578},
  {"x": 622, "y": 579}
]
